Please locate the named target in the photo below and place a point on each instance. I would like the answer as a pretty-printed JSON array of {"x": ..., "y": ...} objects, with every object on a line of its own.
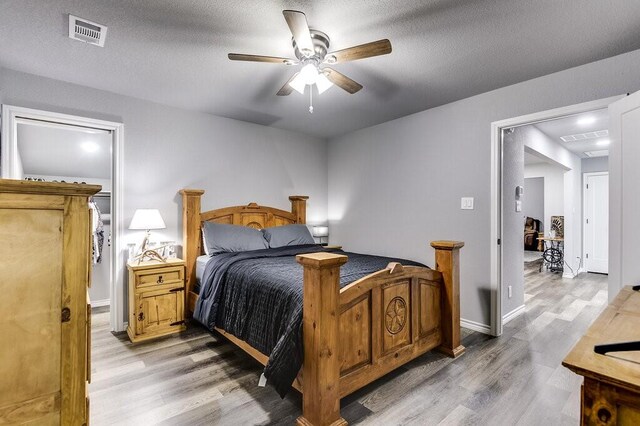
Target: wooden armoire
[{"x": 45, "y": 266}]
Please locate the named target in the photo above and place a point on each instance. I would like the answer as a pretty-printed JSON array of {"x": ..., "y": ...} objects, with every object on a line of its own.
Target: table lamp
[
  {"x": 147, "y": 219},
  {"x": 321, "y": 232}
]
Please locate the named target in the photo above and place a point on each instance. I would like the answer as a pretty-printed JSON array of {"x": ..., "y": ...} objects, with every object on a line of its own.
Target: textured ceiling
[
  {"x": 60, "y": 151},
  {"x": 174, "y": 52},
  {"x": 572, "y": 125}
]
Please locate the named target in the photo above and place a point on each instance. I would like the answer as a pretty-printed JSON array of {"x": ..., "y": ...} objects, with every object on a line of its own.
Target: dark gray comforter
[{"x": 257, "y": 297}]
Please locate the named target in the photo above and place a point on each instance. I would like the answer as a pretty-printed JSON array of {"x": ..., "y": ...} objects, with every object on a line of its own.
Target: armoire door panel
[{"x": 31, "y": 252}]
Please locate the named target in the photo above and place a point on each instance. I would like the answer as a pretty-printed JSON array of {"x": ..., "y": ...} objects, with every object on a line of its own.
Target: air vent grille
[
  {"x": 86, "y": 31},
  {"x": 585, "y": 136},
  {"x": 599, "y": 153}
]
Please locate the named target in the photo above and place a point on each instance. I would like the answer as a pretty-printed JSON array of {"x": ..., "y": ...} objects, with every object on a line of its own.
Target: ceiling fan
[{"x": 311, "y": 49}]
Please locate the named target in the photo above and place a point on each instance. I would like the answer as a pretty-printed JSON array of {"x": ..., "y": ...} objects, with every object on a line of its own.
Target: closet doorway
[{"x": 51, "y": 147}]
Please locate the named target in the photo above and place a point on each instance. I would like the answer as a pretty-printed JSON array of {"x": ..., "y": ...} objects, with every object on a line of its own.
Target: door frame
[
  {"x": 584, "y": 212},
  {"x": 495, "y": 233},
  {"x": 11, "y": 115}
]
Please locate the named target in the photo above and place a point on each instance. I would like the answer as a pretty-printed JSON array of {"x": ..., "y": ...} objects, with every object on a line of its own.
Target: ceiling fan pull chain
[{"x": 310, "y": 99}]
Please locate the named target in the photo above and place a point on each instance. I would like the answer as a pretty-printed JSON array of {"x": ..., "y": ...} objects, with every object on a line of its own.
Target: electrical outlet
[{"x": 510, "y": 289}]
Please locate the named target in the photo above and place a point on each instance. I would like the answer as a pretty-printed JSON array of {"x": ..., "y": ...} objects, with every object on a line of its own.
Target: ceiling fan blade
[
  {"x": 287, "y": 89},
  {"x": 259, "y": 58},
  {"x": 297, "y": 22},
  {"x": 342, "y": 81},
  {"x": 367, "y": 50}
]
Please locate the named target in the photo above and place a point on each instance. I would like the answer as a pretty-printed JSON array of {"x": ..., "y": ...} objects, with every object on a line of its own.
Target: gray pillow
[
  {"x": 288, "y": 235},
  {"x": 219, "y": 238}
]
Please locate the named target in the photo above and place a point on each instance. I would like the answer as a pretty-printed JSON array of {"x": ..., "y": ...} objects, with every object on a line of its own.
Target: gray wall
[
  {"x": 166, "y": 149},
  {"x": 512, "y": 221},
  {"x": 396, "y": 186},
  {"x": 595, "y": 164},
  {"x": 533, "y": 200}
]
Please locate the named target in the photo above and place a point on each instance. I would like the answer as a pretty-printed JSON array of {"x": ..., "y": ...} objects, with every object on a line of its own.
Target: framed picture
[
  {"x": 557, "y": 225},
  {"x": 168, "y": 249}
]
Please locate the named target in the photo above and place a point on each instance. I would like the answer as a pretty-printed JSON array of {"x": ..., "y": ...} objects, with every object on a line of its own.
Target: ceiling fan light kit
[{"x": 311, "y": 49}]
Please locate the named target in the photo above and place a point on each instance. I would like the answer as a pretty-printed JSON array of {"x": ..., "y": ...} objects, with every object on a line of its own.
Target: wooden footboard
[{"x": 357, "y": 334}]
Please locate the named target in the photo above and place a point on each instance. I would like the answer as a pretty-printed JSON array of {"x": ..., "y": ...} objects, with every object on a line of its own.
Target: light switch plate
[
  {"x": 466, "y": 203},
  {"x": 518, "y": 206}
]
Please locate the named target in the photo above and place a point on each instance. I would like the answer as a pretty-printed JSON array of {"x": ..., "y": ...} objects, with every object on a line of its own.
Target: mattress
[{"x": 201, "y": 263}]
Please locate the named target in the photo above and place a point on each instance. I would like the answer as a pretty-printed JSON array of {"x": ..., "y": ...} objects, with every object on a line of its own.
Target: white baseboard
[
  {"x": 99, "y": 303},
  {"x": 475, "y": 326},
  {"x": 513, "y": 314},
  {"x": 568, "y": 274}
]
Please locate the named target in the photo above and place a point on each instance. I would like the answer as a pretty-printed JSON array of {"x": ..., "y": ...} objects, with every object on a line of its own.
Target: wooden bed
[{"x": 354, "y": 335}]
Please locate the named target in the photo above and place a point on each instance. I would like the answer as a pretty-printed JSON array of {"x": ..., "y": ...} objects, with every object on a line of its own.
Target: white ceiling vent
[
  {"x": 600, "y": 153},
  {"x": 87, "y": 31},
  {"x": 585, "y": 136}
]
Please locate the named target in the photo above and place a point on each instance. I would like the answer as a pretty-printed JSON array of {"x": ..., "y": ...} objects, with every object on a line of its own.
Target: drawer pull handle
[
  {"x": 173, "y": 290},
  {"x": 604, "y": 415},
  {"x": 160, "y": 280}
]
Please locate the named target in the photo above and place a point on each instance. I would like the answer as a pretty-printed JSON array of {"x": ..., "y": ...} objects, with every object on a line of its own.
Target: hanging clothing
[{"x": 97, "y": 229}]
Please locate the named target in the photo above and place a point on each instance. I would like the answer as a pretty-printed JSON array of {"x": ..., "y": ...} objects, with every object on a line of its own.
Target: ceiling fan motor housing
[{"x": 320, "y": 46}]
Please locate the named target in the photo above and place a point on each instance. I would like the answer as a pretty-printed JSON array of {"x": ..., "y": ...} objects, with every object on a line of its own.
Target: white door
[
  {"x": 624, "y": 202},
  {"x": 596, "y": 222}
]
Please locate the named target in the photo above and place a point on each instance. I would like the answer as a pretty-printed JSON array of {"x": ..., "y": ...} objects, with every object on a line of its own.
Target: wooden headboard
[{"x": 251, "y": 215}]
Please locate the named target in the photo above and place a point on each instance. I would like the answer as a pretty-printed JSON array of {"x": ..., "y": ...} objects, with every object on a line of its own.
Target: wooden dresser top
[
  {"x": 49, "y": 188},
  {"x": 619, "y": 322}
]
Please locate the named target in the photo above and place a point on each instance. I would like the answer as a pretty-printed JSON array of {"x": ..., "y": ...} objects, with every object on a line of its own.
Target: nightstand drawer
[{"x": 153, "y": 277}]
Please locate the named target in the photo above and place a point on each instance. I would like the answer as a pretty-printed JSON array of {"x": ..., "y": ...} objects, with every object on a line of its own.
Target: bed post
[
  {"x": 448, "y": 263},
  {"x": 190, "y": 234},
  {"x": 321, "y": 366},
  {"x": 299, "y": 207}
]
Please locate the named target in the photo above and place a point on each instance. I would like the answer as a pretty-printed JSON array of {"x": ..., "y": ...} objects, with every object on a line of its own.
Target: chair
[{"x": 531, "y": 229}]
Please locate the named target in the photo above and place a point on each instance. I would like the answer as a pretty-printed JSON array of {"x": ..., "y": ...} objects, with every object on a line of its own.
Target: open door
[{"x": 624, "y": 193}]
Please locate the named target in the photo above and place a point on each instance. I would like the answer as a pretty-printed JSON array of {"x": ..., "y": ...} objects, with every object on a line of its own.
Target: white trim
[
  {"x": 584, "y": 213},
  {"x": 8, "y": 153},
  {"x": 495, "y": 230},
  {"x": 475, "y": 326},
  {"x": 513, "y": 314},
  {"x": 100, "y": 303},
  {"x": 496, "y": 164}
]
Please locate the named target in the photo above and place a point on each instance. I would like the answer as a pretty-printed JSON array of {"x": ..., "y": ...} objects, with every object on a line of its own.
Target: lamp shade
[
  {"x": 147, "y": 219},
  {"x": 320, "y": 231}
]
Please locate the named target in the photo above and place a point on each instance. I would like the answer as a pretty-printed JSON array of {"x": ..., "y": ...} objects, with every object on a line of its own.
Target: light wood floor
[{"x": 196, "y": 378}]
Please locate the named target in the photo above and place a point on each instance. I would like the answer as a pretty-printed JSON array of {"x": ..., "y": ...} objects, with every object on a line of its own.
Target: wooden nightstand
[{"x": 156, "y": 299}]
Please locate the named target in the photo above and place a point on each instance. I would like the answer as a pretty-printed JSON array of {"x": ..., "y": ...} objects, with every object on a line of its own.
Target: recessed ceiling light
[
  {"x": 90, "y": 146},
  {"x": 603, "y": 142},
  {"x": 585, "y": 121}
]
